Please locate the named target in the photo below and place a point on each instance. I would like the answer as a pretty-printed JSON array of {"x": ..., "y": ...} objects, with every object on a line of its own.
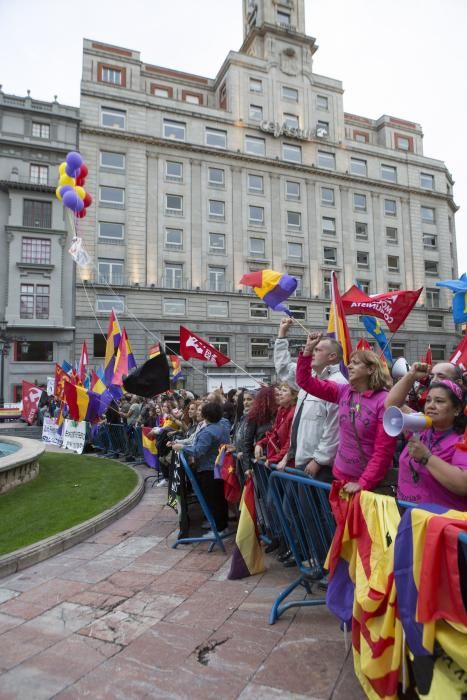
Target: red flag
[
  {"x": 31, "y": 398},
  {"x": 191, "y": 345},
  {"x": 428, "y": 356},
  {"x": 459, "y": 356},
  {"x": 391, "y": 307},
  {"x": 60, "y": 378},
  {"x": 83, "y": 362},
  {"x": 363, "y": 344},
  {"x": 232, "y": 488},
  {"x": 121, "y": 360}
]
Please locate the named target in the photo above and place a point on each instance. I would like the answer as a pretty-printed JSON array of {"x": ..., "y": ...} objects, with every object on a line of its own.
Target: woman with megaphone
[{"x": 432, "y": 467}]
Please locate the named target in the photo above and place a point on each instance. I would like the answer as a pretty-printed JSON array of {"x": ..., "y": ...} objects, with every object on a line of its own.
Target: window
[
  {"x": 330, "y": 255},
  {"x": 435, "y": 321},
  {"x": 431, "y": 268},
  {"x": 283, "y": 18},
  {"x": 256, "y": 85},
  {"x": 113, "y": 118},
  {"x": 430, "y": 240},
  {"x": 221, "y": 343},
  {"x": 294, "y": 220},
  {"x": 298, "y": 289},
  {"x": 363, "y": 259},
  {"x": 112, "y": 195},
  {"x": 216, "y": 279},
  {"x": 259, "y": 347},
  {"x": 361, "y": 137},
  {"x": 37, "y": 214},
  {"x": 322, "y": 129},
  {"x": 173, "y": 276},
  {"x": 258, "y": 310},
  {"x": 160, "y": 91},
  {"x": 432, "y": 298},
  {"x": 111, "y": 230},
  {"x": 290, "y": 94},
  {"x": 216, "y": 209},
  {"x": 36, "y": 251},
  {"x": 111, "y": 75},
  {"x": 38, "y": 351},
  {"x": 403, "y": 143},
  {"x": 40, "y": 131},
  {"x": 216, "y": 243},
  {"x": 294, "y": 251},
  {"x": 398, "y": 350},
  {"x": 393, "y": 263},
  {"x": 389, "y": 173},
  {"x": 390, "y": 207},
  {"x": 27, "y": 301},
  {"x": 173, "y": 171},
  {"x": 322, "y": 102},
  {"x": 438, "y": 352},
  {"x": 291, "y": 153},
  {"x": 298, "y": 312},
  {"x": 393, "y": 286},
  {"x": 361, "y": 231},
  {"x": 173, "y": 238},
  {"x": 364, "y": 286},
  {"x": 328, "y": 226},
  {"x": 326, "y": 160},
  {"x": 292, "y": 190},
  {"x": 39, "y": 174},
  {"x": 359, "y": 201},
  {"x": 428, "y": 215},
  {"x": 291, "y": 121},
  {"x": 174, "y": 307},
  {"x": 172, "y": 343},
  {"x": 174, "y": 205},
  {"x": 106, "y": 302},
  {"x": 358, "y": 167},
  {"x": 391, "y": 234},
  {"x": 174, "y": 130},
  {"x": 110, "y": 272},
  {"x": 256, "y": 215},
  {"x": 327, "y": 286},
  {"x": 257, "y": 247},
  {"x": 192, "y": 98},
  {"x": 217, "y": 309},
  {"x": 427, "y": 181},
  {"x": 256, "y": 113},
  {"x": 216, "y": 138},
  {"x": 113, "y": 160},
  {"x": 255, "y": 146},
  {"x": 327, "y": 313},
  {"x": 216, "y": 177},
  {"x": 255, "y": 183},
  {"x": 99, "y": 345},
  {"x": 327, "y": 196}
]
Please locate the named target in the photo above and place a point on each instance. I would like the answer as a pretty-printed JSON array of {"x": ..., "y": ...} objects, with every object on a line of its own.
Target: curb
[{"x": 39, "y": 551}]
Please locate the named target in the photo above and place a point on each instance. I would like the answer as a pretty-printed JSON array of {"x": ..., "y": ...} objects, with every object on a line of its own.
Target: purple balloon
[
  {"x": 79, "y": 204},
  {"x": 73, "y": 161},
  {"x": 70, "y": 200},
  {"x": 64, "y": 189},
  {"x": 71, "y": 172}
]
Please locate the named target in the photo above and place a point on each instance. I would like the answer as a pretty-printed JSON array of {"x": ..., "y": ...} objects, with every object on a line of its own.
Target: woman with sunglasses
[{"x": 433, "y": 465}]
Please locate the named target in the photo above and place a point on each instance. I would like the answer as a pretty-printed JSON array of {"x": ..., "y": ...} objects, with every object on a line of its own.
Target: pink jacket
[{"x": 366, "y": 411}]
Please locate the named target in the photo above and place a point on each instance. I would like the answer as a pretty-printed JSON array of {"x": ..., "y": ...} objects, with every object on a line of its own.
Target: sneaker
[
  {"x": 205, "y": 525},
  {"x": 162, "y": 482},
  {"x": 222, "y": 533}
]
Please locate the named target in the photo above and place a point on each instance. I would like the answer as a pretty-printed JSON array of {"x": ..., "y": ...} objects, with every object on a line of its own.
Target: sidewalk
[{"x": 125, "y": 616}]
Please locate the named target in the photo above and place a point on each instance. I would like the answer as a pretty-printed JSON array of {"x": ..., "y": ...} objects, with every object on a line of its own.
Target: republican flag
[
  {"x": 337, "y": 325},
  {"x": 150, "y": 453},
  {"x": 97, "y": 385},
  {"x": 176, "y": 368},
  {"x": 121, "y": 366},
  {"x": 247, "y": 556},
  {"x": 391, "y": 307},
  {"x": 83, "y": 362},
  {"x": 85, "y": 405},
  {"x": 31, "y": 395},
  {"x": 459, "y": 356},
  {"x": 192, "y": 346},
  {"x": 112, "y": 343},
  {"x": 373, "y": 326},
  {"x": 272, "y": 287}
]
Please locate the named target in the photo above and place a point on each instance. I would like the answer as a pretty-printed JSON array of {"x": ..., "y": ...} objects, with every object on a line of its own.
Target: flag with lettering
[
  {"x": 391, "y": 307},
  {"x": 192, "y": 346}
]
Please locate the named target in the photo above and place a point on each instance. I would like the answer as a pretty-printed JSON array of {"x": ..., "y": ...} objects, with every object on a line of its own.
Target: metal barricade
[
  {"x": 118, "y": 440},
  {"x": 303, "y": 511},
  {"x": 268, "y": 520},
  {"x": 136, "y": 446}
]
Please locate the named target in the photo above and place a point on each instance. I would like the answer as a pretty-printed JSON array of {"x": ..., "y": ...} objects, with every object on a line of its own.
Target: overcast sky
[{"x": 406, "y": 58}]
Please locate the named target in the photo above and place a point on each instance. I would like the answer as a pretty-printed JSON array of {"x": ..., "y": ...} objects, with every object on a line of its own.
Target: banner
[
  {"x": 391, "y": 307},
  {"x": 31, "y": 397},
  {"x": 74, "y": 436},
  {"x": 192, "y": 346},
  {"x": 51, "y": 433}
]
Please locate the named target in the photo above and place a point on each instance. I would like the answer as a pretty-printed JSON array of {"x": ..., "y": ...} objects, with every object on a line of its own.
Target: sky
[{"x": 405, "y": 58}]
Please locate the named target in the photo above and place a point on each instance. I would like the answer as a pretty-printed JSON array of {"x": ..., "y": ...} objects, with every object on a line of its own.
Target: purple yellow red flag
[
  {"x": 122, "y": 360},
  {"x": 337, "y": 325},
  {"x": 176, "y": 370},
  {"x": 247, "y": 556},
  {"x": 111, "y": 346},
  {"x": 97, "y": 385},
  {"x": 272, "y": 287},
  {"x": 150, "y": 452},
  {"x": 83, "y": 363}
]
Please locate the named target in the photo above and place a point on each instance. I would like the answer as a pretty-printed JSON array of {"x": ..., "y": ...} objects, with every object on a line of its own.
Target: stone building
[
  {"x": 36, "y": 272},
  {"x": 198, "y": 180}
]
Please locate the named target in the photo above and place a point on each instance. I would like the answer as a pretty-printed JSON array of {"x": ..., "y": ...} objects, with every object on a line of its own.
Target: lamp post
[{"x": 5, "y": 345}]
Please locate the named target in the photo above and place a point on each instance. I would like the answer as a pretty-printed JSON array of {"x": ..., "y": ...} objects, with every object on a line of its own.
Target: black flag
[{"x": 150, "y": 379}]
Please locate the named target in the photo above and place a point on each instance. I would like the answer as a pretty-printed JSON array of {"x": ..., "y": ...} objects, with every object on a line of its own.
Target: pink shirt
[
  {"x": 365, "y": 411},
  {"x": 425, "y": 488}
]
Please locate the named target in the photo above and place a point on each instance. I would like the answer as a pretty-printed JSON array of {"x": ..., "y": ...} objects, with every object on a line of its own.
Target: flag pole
[
  {"x": 300, "y": 324},
  {"x": 247, "y": 373}
]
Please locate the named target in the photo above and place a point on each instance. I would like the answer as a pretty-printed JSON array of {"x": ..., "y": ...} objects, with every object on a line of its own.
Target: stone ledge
[{"x": 39, "y": 551}]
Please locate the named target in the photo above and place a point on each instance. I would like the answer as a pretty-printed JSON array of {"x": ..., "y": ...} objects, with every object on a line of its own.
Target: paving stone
[
  {"x": 253, "y": 691},
  {"x": 131, "y": 580},
  {"x": 165, "y": 645},
  {"x": 9, "y": 621},
  {"x": 348, "y": 686},
  {"x": 20, "y": 643},
  {"x": 93, "y": 571},
  {"x": 132, "y": 547},
  {"x": 62, "y": 620},
  {"x": 7, "y": 594},
  {"x": 178, "y": 582},
  {"x": 86, "y": 550},
  {"x": 100, "y": 601},
  {"x": 118, "y": 627},
  {"x": 149, "y": 604}
]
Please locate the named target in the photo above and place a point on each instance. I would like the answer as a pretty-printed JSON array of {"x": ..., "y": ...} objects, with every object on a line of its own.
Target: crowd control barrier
[
  {"x": 302, "y": 508},
  {"x": 269, "y": 523}
]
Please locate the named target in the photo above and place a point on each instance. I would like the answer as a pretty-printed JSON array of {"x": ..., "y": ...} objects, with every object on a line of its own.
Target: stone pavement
[{"x": 125, "y": 616}]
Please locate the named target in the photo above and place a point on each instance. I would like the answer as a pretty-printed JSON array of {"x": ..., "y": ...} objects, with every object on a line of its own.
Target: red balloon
[
  {"x": 87, "y": 201},
  {"x": 80, "y": 181},
  {"x": 83, "y": 171},
  {"x": 81, "y": 214}
]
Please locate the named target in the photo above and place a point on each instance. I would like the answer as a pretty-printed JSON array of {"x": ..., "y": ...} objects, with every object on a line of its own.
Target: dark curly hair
[
  {"x": 264, "y": 407},
  {"x": 460, "y": 421}
]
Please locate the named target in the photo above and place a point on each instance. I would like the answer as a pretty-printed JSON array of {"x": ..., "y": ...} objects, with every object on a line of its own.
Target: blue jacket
[{"x": 206, "y": 444}]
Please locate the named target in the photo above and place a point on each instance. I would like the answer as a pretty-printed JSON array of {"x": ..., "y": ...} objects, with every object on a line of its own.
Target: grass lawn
[{"x": 69, "y": 490}]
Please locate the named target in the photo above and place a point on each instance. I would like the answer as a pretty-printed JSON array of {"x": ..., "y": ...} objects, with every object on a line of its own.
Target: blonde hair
[
  {"x": 293, "y": 391},
  {"x": 379, "y": 378}
]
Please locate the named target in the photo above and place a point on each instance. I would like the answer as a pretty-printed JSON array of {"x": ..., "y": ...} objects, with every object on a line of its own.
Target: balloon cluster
[{"x": 72, "y": 173}]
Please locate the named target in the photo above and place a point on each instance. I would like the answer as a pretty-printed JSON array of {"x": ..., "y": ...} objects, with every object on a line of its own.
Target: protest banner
[
  {"x": 74, "y": 436},
  {"x": 51, "y": 433}
]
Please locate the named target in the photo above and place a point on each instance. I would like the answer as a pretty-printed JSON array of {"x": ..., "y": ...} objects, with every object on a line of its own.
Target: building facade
[
  {"x": 36, "y": 272},
  {"x": 198, "y": 180}
]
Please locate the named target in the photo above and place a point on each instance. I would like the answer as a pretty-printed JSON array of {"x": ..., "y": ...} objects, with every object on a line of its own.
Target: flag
[
  {"x": 61, "y": 377},
  {"x": 31, "y": 395},
  {"x": 112, "y": 343},
  {"x": 97, "y": 385},
  {"x": 391, "y": 307},
  {"x": 232, "y": 488},
  {"x": 60, "y": 419},
  {"x": 83, "y": 362},
  {"x": 151, "y": 378},
  {"x": 85, "y": 405},
  {"x": 121, "y": 360},
  {"x": 363, "y": 344},
  {"x": 191, "y": 345},
  {"x": 459, "y": 302},
  {"x": 272, "y": 287},
  {"x": 428, "y": 356},
  {"x": 247, "y": 556},
  {"x": 151, "y": 456},
  {"x": 176, "y": 369},
  {"x": 459, "y": 356},
  {"x": 154, "y": 350},
  {"x": 373, "y": 326},
  {"x": 337, "y": 325}
]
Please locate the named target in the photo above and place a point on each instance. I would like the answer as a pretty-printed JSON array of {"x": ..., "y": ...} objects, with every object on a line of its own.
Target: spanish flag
[
  {"x": 151, "y": 456},
  {"x": 247, "y": 556}
]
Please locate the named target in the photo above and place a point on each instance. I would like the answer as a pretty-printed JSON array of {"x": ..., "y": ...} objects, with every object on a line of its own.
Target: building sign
[{"x": 277, "y": 129}]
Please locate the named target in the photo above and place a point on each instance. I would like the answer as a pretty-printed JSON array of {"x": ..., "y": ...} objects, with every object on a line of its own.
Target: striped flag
[
  {"x": 337, "y": 325},
  {"x": 112, "y": 343},
  {"x": 247, "y": 556},
  {"x": 151, "y": 456}
]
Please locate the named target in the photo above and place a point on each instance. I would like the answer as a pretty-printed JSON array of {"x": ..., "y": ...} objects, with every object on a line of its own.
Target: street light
[{"x": 5, "y": 346}]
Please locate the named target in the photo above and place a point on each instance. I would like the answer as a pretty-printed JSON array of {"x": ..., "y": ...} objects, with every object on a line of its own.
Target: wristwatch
[{"x": 425, "y": 459}]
